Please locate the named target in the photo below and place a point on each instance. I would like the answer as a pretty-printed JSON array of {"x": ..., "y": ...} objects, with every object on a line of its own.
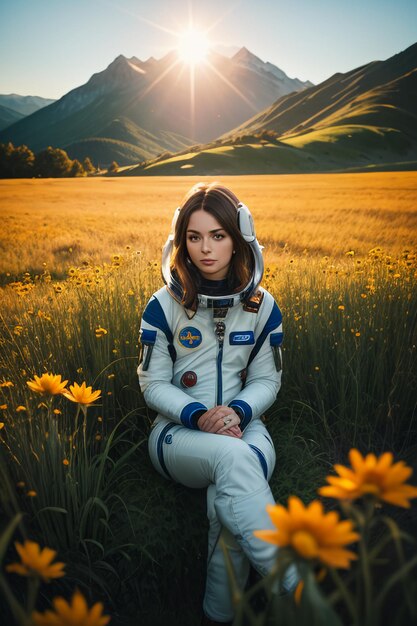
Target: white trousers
[{"x": 236, "y": 474}]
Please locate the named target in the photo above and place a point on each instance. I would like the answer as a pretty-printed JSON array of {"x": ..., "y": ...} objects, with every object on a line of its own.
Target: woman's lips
[{"x": 207, "y": 261}]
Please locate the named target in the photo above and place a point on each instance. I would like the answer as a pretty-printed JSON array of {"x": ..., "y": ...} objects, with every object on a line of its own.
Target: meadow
[{"x": 79, "y": 260}]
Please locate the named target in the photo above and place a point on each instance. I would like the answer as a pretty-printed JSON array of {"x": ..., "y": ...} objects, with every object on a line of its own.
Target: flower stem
[
  {"x": 344, "y": 592},
  {"x": 33, "y": 588}
]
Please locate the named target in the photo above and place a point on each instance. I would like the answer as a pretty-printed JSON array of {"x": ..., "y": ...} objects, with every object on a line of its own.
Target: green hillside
[
  {"x": 123, "y": 141},
  {"x": 375, "y": 128},
  {"x": 334, "y": 149},
  {"x": 104, "y": 151}
]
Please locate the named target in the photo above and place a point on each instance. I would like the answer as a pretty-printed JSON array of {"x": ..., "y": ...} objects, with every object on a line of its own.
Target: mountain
[
  {"x": 24, "y": 104},
  {"x": 161, "y": 98},
  {"x": 8, "y": 116},
  {"x": 363, "y": 119},
  {"x": 14, "y": 107},
  {"x": 246, "y": 59}
]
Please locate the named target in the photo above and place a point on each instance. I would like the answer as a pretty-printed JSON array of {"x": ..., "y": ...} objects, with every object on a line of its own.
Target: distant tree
[
  {"x": 114, "y": 166},
  {"x": 88, "y": 166},
  {"x": 52, "y": 163},
  {"x": 21, "y": 162},
  {"x": 15, "y": 162},
  {"x": 77, "y": 169},
  {"x": 6, "y": 149}
]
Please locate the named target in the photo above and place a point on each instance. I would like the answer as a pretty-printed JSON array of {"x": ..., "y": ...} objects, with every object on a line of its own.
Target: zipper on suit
[{"x": 219, "y": 332}]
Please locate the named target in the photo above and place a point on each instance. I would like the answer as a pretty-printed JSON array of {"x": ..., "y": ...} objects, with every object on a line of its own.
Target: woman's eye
[
  {"x": 218, "y": 237},
  {"x": 193, "y": 238}
]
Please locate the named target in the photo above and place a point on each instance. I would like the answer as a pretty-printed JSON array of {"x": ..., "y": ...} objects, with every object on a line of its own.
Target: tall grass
[{"x": 127, "y": 535}]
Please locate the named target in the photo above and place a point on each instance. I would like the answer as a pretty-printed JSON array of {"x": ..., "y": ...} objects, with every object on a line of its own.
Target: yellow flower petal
[
  {"x": 74, "y": 613},
  {"x": 47, "y": 384},
  {"x": 310, "y": 532},
  {"x": 379, "y": 478}
]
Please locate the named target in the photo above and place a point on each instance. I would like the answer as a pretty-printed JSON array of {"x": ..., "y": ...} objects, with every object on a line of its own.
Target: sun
[{"x": 193, "y": 46}]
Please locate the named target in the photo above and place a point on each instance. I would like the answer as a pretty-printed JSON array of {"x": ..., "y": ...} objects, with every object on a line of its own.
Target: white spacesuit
[{"x": 225, "y": 353}]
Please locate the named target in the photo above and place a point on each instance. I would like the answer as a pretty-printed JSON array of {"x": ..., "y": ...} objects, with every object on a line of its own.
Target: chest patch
[
  {"x": 242, "y": 338},
  {"x": 190, "y": 337}
]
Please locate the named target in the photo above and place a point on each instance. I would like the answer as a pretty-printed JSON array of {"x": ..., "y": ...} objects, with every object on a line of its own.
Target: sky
[{"x": 48, "y": 47}]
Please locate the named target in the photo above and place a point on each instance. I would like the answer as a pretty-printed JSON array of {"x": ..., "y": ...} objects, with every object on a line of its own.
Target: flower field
[{"x": 79, "y": 260}]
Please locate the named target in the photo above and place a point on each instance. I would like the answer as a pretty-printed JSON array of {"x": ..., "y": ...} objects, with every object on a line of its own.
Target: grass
[
  {"x": 341, "y": 262},
  {"x": 92, "y": 219}
]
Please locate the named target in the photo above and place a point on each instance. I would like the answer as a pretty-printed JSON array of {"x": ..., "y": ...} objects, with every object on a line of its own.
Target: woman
[{"x": 211, "y": 366}]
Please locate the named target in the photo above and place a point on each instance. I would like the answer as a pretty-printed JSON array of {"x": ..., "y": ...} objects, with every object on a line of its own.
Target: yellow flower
[
  {"x": 75, "y": 613},
  {"x": 65, "y": 462},
  {"x": 20, "y": 408},
  {"x": 100, "y": 332},
  {"x": 1, "y": 425},
  {"x": 3, "y": 407},
  {"x": 47, "y": 384},
  {"x": 32, "y": 493},
  {"x": 310, "y": 532},
  {"x": 82, "y": 394},
  {"x": 378, "y": 477},
  {"x": 7, "y": 383},
  {"x": 341, "y": 307},
  {"x": 36, "y": 562}
]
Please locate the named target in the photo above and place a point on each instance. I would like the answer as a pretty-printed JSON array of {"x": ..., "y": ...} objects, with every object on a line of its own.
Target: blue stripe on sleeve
[
  {"x": 274, "y": 320},
  {"x": 187, "y": 414},
  {"x": 244, "y": 410},
  {"x": 154, "y": 315}
]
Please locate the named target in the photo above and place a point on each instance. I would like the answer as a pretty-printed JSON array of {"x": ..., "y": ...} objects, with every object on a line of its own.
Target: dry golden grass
[{"x": 60, "y": 222}]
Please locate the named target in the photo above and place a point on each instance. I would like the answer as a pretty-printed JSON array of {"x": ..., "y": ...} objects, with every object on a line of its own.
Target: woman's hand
[
  {"x": 220, "y": 420},
  {"x": 234, "y": 431}
]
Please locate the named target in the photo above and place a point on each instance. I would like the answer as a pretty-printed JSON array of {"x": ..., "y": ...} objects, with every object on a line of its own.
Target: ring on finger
[{"x": 227, "y": 421}]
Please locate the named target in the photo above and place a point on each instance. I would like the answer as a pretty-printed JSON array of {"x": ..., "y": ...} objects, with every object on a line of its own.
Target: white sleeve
[{"x": 155, "y": 370}]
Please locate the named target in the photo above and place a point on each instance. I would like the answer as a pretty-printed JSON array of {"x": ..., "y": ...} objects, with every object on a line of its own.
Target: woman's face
[{"x": 209, "y": 246}]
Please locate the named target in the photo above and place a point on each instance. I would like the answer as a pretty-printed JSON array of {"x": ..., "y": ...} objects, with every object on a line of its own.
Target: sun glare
[{"x": 193, "y": 47}]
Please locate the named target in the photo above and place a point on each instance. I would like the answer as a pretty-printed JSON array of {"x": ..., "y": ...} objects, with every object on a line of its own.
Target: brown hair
[{"x": 222, "y": 204}]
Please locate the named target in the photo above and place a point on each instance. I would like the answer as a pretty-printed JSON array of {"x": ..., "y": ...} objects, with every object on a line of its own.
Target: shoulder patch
[
  {"x": 253, "y": 304},
  {"x": 190, "y": 337}
]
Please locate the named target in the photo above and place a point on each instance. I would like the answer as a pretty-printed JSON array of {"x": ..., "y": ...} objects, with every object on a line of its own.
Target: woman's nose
[{"x": 205, "y": 244}]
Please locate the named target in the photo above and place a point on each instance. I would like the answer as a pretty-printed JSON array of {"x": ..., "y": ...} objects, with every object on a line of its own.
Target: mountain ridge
[
  {"x": 154, "y": 95},
  {"x": 364, "y": 118}
]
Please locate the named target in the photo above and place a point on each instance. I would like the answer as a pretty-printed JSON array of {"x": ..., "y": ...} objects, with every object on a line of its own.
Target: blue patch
[
  {"x": 168, "y": 439},
  {"x": 147, "y": 336},
  {"x": 190, "y": 337},
  {"x": 276, "y": 339},
  {"x": 242, "y": 338}
]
